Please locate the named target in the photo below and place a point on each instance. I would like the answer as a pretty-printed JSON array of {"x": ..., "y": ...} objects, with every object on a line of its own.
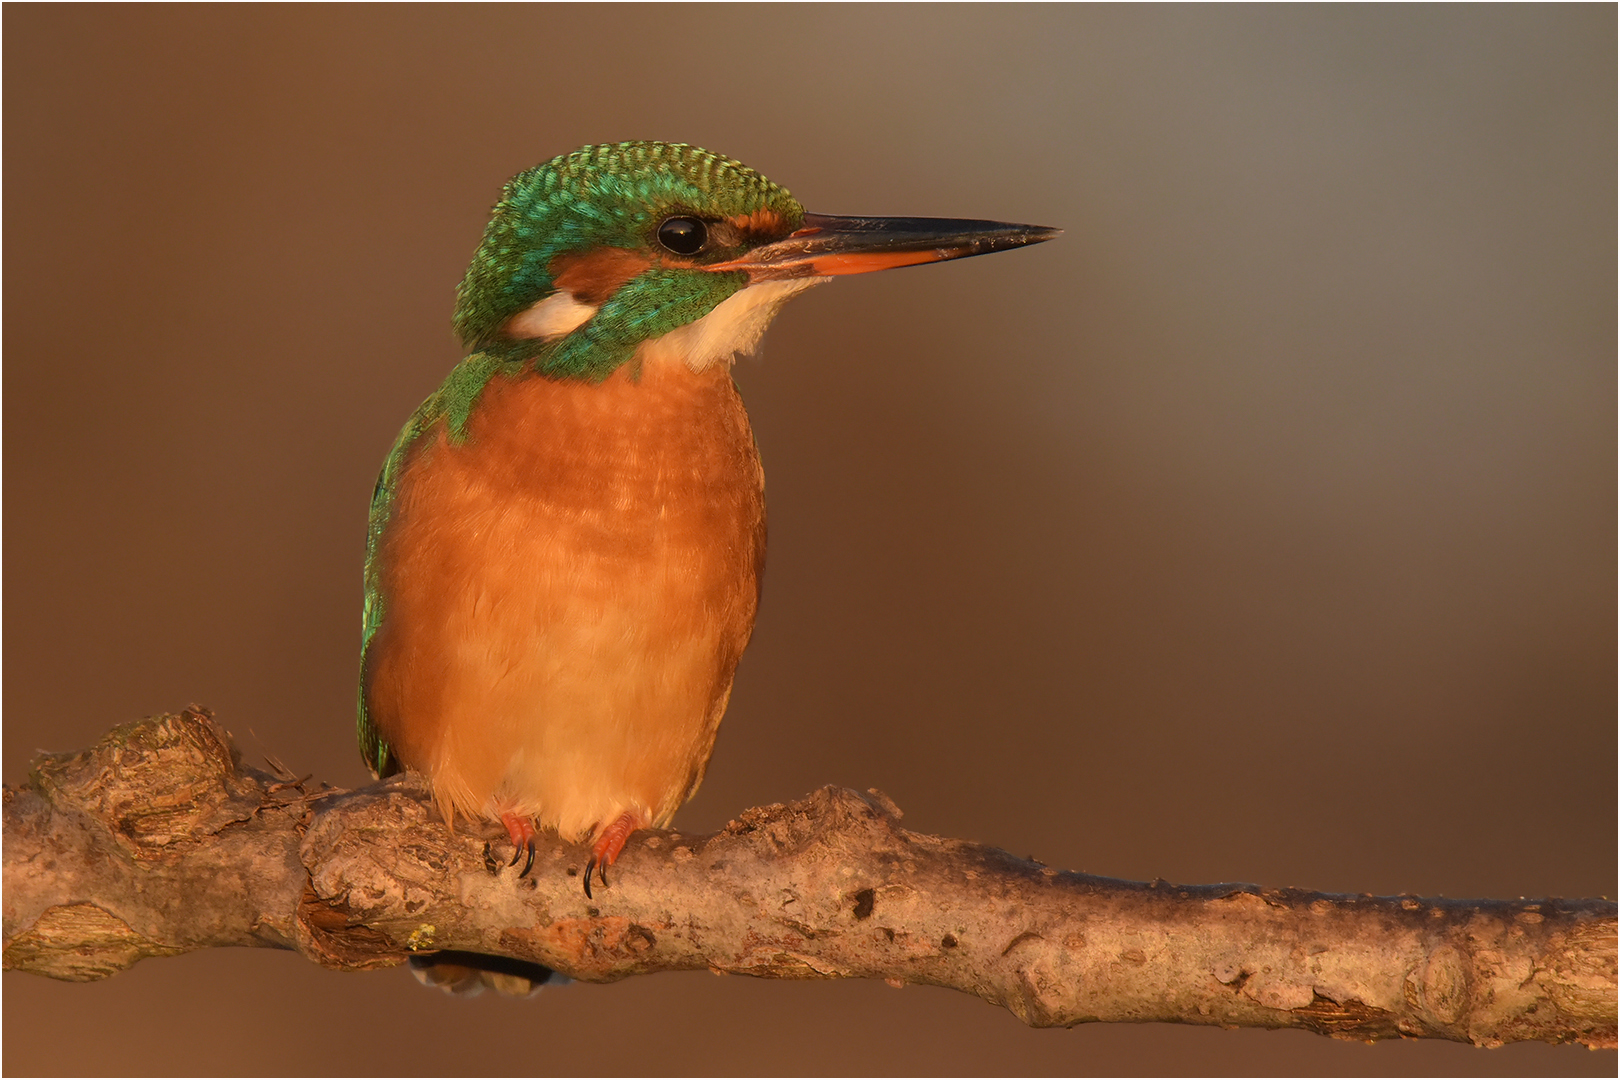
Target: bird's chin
[{"x": 733, "y": 328}]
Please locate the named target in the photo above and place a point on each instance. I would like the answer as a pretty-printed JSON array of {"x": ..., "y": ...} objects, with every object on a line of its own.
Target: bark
[{"x": 158, "y": 840}]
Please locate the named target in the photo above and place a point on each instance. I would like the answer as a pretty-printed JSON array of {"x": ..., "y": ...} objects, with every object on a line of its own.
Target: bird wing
[
  {"x": 374, "y": 749},
  {"x": 451, "y": 403}
]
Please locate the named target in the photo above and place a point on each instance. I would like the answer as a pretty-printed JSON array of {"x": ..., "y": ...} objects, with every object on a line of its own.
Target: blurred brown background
[{"x": 1261, "y": 528}]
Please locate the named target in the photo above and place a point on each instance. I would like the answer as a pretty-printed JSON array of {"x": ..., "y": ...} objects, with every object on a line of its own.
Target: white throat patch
[{"x": 734, "y": 326}]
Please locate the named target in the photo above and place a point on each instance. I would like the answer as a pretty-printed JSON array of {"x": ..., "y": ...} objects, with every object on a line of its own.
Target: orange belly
[{"x": 567, "y": 593}]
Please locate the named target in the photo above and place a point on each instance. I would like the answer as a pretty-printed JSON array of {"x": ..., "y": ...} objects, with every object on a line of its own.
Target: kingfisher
[{"x": 566, "y": 541}]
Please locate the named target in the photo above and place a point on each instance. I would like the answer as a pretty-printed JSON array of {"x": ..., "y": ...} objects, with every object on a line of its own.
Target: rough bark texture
[{"x": 158, "y": 840}]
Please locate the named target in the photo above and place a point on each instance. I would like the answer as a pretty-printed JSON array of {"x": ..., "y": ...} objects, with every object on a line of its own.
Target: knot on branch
[
  {"x": 378, "y": 858},
  {"x": 156, "y": 783},
  {"x": 840, "y": 816},
  {"x": 153, "y": 842},
  {"x": 81, "y": 943}
]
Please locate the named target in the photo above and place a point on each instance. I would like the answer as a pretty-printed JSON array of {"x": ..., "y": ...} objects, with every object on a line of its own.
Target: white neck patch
[
  {"x": 734, "y": 326},
  {"x": 556, "y": 315}
]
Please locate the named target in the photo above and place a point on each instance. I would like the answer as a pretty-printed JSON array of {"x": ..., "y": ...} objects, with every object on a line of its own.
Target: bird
[{"x": 566, "y": 541}]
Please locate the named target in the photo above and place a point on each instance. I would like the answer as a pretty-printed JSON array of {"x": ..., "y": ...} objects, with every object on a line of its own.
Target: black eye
[{"x": 683, "y": 235}]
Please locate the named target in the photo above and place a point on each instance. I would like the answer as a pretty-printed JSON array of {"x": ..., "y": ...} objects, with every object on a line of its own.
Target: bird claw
[
  {"x": 525, "y": 849},
  {"x": 609, "y": 843},
  {"x": 604, "y": 852},
  {"x": 522, "y": 832},
  {"x": 593, "y": 865}
]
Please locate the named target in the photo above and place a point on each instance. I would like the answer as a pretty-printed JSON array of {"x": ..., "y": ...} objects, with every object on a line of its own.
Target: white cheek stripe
[{"x": 556, "y": 315}]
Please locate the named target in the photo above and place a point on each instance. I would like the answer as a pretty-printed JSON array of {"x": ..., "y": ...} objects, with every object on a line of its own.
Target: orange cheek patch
[
  {"x": 760, "y": 223},
  {"x": 591, "y": 277}
]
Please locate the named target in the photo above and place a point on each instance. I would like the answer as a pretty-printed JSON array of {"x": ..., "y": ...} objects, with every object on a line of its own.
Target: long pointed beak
[{"x": 826, "y": 245}]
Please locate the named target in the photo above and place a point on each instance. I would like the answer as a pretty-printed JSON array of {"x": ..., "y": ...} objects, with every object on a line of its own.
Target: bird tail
[{"x": 468, "y": 974}]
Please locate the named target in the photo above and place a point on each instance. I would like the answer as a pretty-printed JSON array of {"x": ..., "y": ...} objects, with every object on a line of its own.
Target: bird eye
[{"x": 683, "y": 235}]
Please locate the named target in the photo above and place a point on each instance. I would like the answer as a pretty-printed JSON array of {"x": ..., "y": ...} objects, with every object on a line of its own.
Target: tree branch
[{"x": 158, "y": 841}]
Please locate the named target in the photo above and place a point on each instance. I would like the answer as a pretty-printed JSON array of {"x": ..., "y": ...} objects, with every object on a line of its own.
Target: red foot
[
  {"x": 521, "y": 829},
  {"x": 609, "y": 843}
]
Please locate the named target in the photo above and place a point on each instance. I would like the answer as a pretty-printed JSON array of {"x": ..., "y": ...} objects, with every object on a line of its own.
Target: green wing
[
  {"x": 451, "y": 403},
  {"x": 374, "y": 750}
]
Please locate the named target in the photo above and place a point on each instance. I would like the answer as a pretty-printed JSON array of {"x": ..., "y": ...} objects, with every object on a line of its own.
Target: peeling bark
[{"x": 158, "y": 841}]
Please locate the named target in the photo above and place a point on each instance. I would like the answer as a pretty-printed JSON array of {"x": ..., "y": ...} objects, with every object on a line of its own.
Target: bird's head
[{"x": 598, "y": 253}]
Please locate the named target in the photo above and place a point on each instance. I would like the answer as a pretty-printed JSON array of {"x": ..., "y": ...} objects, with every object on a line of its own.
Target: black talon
[
  {"x": 590, "y": 864},
  {"x": 601, "y": 872},
  {"x": 528, "y": 864}
]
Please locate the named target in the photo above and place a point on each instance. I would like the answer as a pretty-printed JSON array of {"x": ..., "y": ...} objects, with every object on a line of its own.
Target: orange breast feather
[{"x": 567, "y": 594}]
